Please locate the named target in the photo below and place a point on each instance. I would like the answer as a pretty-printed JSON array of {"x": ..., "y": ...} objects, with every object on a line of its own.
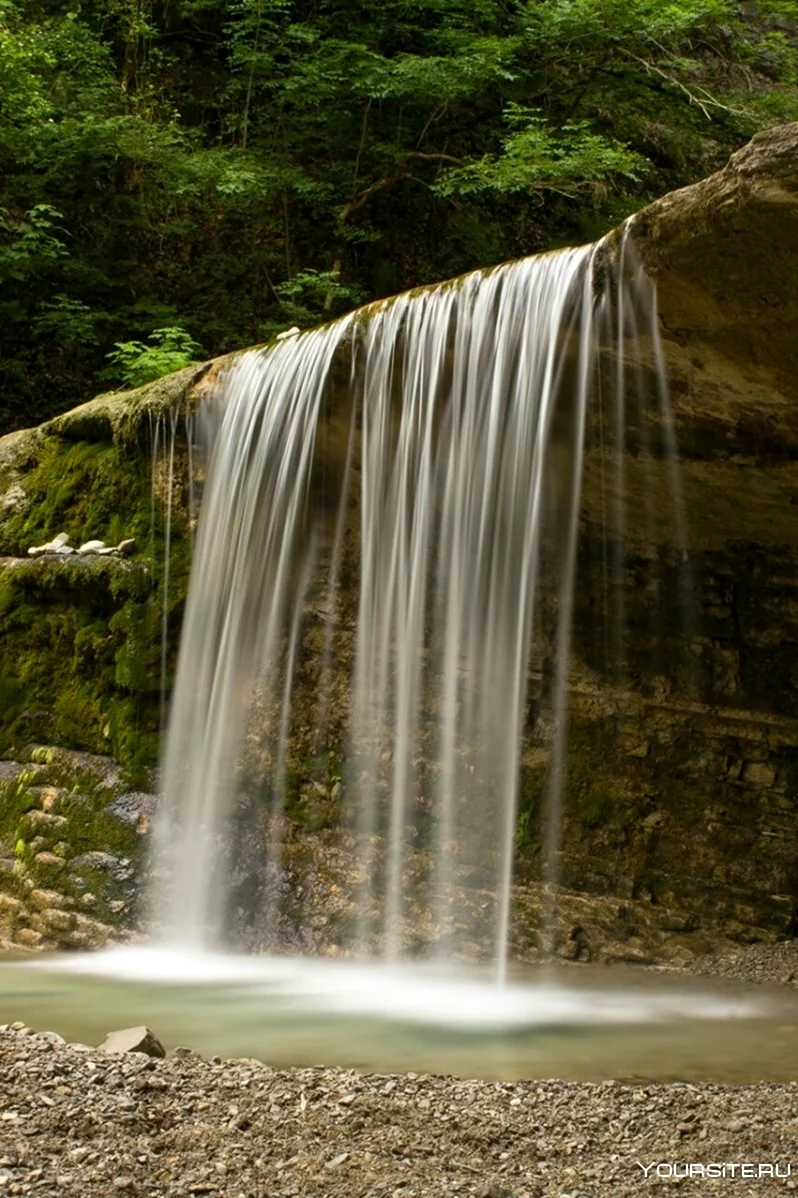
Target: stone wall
[{"x": 71, "y": 850}]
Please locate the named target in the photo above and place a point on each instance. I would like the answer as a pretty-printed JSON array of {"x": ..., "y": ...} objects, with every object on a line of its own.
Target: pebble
[
  {"x": 184, "y": 1126},
  {"x": 59, "y": 544}
]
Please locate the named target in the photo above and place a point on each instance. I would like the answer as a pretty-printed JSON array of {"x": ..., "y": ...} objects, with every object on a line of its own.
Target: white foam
[{"x": 405, "y": 993}]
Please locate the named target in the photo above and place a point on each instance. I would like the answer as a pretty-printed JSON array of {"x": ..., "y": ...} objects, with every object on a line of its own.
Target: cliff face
[
  {"x": 682, "y": 793},
  {"x": 724, "y": 254},
  {"x": 695, "y": 798}
]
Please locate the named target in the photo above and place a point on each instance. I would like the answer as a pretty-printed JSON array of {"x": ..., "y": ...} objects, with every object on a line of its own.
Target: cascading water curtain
[{"x": 461, "y": 410}]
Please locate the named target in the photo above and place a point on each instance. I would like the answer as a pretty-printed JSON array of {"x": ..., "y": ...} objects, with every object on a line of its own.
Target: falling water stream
[
  {"x": 461, "y": 410},
  {"x": 471, "y": 402}
]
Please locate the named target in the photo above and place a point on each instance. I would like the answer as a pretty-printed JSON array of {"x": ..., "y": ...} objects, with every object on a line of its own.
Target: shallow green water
[{"x": 579, "y": 1024}]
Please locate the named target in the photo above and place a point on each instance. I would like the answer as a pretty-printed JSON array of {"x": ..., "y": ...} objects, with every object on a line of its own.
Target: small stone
[
  {"x": 123, "y": 1183},
  {"x": 53, "y": 919},
  {"x": 133, "y": 1039},
  {"x": 30, "y": 938},
  {"x": 57, "y": 545},
  {"x": 49, "y": 861},
  {"x": 13, "y": 498},
  {"x": 640, "y": 750},
  {"x": 127, "y": 546},
  {"x": 89, "y": 547},
  {"x": 50, "y": 1038},
  {"x": 45, "y": 821},
  {"x": 338, "y": 1160},
  {"x": 49, "y": 797},
  {"x": 494, "y": 1189},
  {"x": 758, "y": 773},
  {"x": 90, "y": 933},
  {"x": 94, "y": 860}
]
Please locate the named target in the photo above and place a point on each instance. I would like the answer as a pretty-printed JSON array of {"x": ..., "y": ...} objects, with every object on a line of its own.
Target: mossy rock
[
  {"x": 81, "y": 638},
  {"x": 78, "y": 849}
]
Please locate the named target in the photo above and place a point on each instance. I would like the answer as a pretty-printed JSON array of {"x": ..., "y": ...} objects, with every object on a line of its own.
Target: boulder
[{"x": 133, "y": 1039}]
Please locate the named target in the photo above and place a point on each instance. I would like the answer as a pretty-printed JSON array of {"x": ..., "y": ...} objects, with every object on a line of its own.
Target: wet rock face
[
  {"x": 724, "y": 255},
  {"x": 695, "y": 796}
]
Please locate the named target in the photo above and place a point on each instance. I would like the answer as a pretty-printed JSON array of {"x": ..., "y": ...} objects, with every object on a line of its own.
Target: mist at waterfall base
[{"x": 441, "y": 433}]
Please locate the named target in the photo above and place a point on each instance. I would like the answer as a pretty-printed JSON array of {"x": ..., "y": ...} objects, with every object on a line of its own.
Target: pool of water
[{"x": 579, "y": 1023}]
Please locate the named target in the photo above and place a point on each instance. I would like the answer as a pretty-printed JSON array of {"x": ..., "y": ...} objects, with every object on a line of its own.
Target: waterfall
[{"x": 441, "y": 433}]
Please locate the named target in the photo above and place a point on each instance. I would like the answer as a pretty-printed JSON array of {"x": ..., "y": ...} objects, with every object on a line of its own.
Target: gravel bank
[
  {"x": 774, "y": 963},
  {"x": 75, "y": 1123}
]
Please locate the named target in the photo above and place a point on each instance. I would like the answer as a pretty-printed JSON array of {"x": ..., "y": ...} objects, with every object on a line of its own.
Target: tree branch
[
  {"x": 706, "y": 98},
  {"x": 389, "y": 180}
]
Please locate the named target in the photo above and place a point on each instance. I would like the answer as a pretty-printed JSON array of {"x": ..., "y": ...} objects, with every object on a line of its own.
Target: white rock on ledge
[{"x": 58, "y": 545}]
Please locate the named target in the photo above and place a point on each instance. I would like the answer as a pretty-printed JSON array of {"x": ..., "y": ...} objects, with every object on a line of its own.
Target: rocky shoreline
[
  {"x": 76, "y": 1122},
  {"x": 80, "y": 1122}
]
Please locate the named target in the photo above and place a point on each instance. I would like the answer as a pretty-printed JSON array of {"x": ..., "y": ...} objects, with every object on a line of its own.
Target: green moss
[
  {"x": 80, "y": 488},
  {"x": 80, "y": 639},
  {"x": 16, "y": 800},
  {"x": 120, "y": 416},
  {"x": 74, "y": 710}
]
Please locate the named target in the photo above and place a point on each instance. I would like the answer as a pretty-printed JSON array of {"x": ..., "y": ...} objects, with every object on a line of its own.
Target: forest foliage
[{"x": 184, "y": 177}]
